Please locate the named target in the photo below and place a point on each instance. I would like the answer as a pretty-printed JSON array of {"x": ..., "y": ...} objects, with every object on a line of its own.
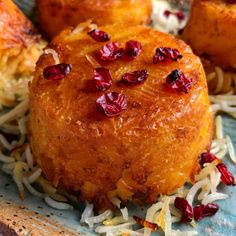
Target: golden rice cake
[
  {"x": 19, "y": 42},
  {"x": 56, "y": 15},
  {"x": 211, "y": 31},
  {"x": 150, "y": 148}
]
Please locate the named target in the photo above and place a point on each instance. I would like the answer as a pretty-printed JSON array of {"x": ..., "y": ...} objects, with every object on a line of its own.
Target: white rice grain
[
  {"x": 35, "y": 175},
  {"x": 57, "y": 205},
  {"x": 54, "y": 55},
  {"x": 16, "y": 112},
  {"x": 230, "y": 149},
  {"x": 6, "y": 159},
  {"x": 214, "y": 197},
  {"x": 32, "y": 190},
  {"x": 195, "y": 188},
  {"x": 98, "y": 219},
  {"x": 5, "y": 143},
  {"x": 29, "y": 157},
  {"x": 113, "y": 229},
  {"x": 87, "y": 213},
  {"x": 219, "y": 127}
]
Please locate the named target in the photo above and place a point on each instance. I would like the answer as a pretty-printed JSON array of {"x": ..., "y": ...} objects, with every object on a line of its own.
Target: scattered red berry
[
  {"x": 185, "y": 208},
  {"x": 164, "y": 54},
  {"x": 210, "y": 209},
  {"x": 99, "y": 36},
  {"x": 178, "y": 82},
  {"x": 226, "y": 176},
  {"x": 135, "y": 77},
  {"x": 111, "y": 104},
  {"x": 167, "y": 13},
  {"x": 207, "y": 157},
  {"x": 57, "y": 72},
  {"x": 110, "y": 52},
  {"x": 180, "y": 15},
  {"x": 102, "y": 78},
  {"x": 198, "y": 212},
  {"x": 201, "y": 211},
  {"x": 133, "y": 49}
]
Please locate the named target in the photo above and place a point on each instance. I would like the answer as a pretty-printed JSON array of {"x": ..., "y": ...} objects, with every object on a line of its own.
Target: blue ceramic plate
[{"x": 223, "y": 223}]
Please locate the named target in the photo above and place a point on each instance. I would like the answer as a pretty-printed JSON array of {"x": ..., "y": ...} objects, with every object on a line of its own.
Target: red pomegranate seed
[
  {"x": 145, "y": 223},
  {"x": 178, "y": 82},
  {"x": 164, "y": 54},
  {"x": 111, "y": 104},
  {"x": 207, "y": 157},
  {"x": 102, "y": 78},
  {"x": 201, "y": 211},
  {"x": 133, "y": 49},
  {"x": 185, "y": 208},
  {"x": 99, "y": 35},
  {"x": 110, "y": 52},
  {"x": 226, "y": 176},
  {"x": 135, "y": 77},
  {"x": 57, "y": 72}
]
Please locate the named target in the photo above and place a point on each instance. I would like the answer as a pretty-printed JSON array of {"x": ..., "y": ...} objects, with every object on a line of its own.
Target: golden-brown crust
[
  {"x": 56, "y": 15},
  {"x": 15, "y": 28},
  {"x": 150, "y": 148},
  {"x": 211, "y": 31},
  {"x": 17, "y": 38},
  {"x": 16, "y": 220}
]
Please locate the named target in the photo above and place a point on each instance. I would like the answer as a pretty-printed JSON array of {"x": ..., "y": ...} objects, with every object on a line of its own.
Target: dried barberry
[
  {"x": 99, "y": 36},
  {"x": 185, "y": 208},
  {"x": 110, "y": 52},
  {"x": 111, "y": 104},
  {"x": 180, "y": 15},
  {"x": 167, "y": 13},
  {"x": 178, "y": 82},
  {"x": 135, "y": 77},
  {"x": 201, "y": 210},
  {"x": 226, "y": 176},
  {"x": 207, "y": 157},
  {"x": 165, "y": 54},
  {"x": 57, "y": 72},
  {"x": 210, "y": 209},
  {"x": 198, "y": 212},
  {"x": 133, "y": 49},
  {"x": 102, "y": 78}
]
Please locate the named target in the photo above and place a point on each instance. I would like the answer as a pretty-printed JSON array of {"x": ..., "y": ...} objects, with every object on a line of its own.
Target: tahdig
[
  {"x": 211, "y": 31},
  {"x": 56, "y": 15},
  {"x": 151, "y": 144},
  {"x": 19, "y": 41}
]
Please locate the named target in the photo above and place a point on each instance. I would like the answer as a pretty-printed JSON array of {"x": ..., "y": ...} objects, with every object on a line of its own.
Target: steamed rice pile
[{"x": 18, "y": 161}]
